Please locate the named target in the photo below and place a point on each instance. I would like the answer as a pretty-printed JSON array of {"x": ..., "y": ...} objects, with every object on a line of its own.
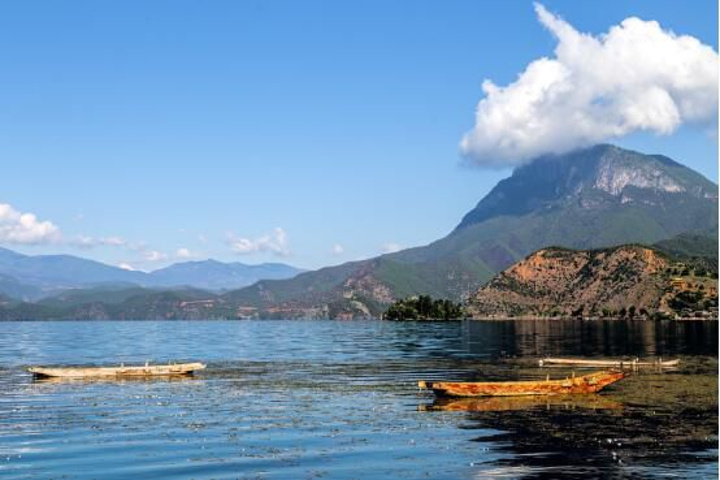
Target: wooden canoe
[
  {"x": 591, "y": 383},
  {"x": 117, "y": 380},
  {"x": 118, "y": 372},
  {"x": 593, "y": 363}
]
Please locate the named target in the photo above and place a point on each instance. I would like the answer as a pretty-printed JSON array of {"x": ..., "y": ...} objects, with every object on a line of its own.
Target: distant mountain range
[
  {"x": 593, "y": 198},
  {"x": 625, "y": 280},
  {"x": 34, "y": 277}
]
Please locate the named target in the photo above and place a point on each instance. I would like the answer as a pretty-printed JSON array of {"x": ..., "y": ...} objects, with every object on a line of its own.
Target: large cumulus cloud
[{"x": 636, "y": 77}]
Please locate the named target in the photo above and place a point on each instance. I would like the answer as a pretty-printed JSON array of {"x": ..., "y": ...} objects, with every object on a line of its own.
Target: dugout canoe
[
  {"x": 591, "y": 383},
  {"x": 612, "y": 363},
  {"x": 118, "y": 372}
]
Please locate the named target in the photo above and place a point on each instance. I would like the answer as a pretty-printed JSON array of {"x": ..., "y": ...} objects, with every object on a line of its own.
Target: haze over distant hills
[
  {"x": 598, "y": 197},
  {"x": 34, "y": 277}
]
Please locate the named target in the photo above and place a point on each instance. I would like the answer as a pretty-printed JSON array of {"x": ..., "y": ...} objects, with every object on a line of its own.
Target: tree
[{"x": 423, "y": 307}]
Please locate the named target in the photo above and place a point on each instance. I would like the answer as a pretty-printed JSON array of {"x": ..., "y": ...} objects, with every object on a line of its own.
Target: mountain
[
  {"x": 61, "y": 271},
  {"x": 613, "y": 183},
  {"x": 118, "y": 304},
  {"x": 12, "y": 288},
  {"x": 589, "y": 199},
  {"x": 592, "y": 198},
  {"x": 214, "y": 275},
  {"x": 33, "y": 277},
  {"x": 691, "y": 245},
  {"x": 622, "y": 281}
]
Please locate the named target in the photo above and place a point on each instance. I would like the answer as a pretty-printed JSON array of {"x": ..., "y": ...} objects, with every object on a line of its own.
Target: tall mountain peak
[{"x": 599, "y": 176}]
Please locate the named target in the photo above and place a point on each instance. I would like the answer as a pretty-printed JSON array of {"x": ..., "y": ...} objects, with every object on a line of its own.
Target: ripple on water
[{"x": 338, "y": 400}]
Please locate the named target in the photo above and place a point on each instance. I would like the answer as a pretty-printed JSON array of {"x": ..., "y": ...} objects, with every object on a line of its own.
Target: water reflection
[
  {"x": 592, "y": 338},
  {"x": 503, "y": 404},
  {"x": 338, "y": 400},
  {"x": 651, "y": 425}
]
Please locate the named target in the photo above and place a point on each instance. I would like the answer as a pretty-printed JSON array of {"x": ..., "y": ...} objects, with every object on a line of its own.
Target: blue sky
[{"x": 183, "y": 127}]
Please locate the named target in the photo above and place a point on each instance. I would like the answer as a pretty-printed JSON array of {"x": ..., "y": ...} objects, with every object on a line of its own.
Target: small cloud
[
  {"x": 202, "y": 238},
  {"x": 338, "y": 249},
  {"x": 184, "y": 253},
  {"x": 276, "y": 243},
  {"x": 127, "y": 266},
  {"x": 25, "y": 228},
  {"x": 636, "y": 77},
  {"x": 154, "y": 256},
  {"x": 113, "y": 242},
  {"x": 390, "y": 248},
  {"x": 84, "y": 241}
]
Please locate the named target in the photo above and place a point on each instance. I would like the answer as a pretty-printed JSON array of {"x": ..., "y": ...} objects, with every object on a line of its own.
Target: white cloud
[
  {"x": 276, "y": 243},
  {"x": 84, "y": 241},
  {"x": 25, "y": 229},
  {"x": 113, "y": 242},
  {"x": 390, "y": 247},
  {"x": 184, "y": 253},
  {"x": 127, "y": 266},
  {"x": 636, "y": 77},
  {"x": 154, "y": 256},
  {"x": 338, "y": 249}
]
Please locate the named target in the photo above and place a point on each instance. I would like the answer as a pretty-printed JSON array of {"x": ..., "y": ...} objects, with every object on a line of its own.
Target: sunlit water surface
[{"x": 323, "y": 399}]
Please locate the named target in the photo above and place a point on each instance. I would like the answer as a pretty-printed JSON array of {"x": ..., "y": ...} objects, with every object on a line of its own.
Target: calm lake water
[{"x": 324, "y": 399}]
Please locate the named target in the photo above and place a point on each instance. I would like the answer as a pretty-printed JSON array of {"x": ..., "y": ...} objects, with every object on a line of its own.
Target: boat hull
[
  {"x": 592, "y": 383},
  {"x": 577, "y": 362},
  {"x": 118, "y": 372}
]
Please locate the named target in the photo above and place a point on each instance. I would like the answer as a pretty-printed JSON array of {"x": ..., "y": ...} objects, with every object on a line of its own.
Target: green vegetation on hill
[
  {"x": 627, "y": 281},
  {"x": 698, "y": 251},
  {"x": 589, "y": 199},
  {"x": 598, "y": 197},
  {"x": 424, "y": 307}
]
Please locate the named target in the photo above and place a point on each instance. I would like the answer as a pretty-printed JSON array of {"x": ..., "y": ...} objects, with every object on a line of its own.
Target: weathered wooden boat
[
  {"x": 613, "y": 363},
  {"x": 527, "y": 402},
  {"x": 591, "y": 383},
  {"x": 117, "y": 380},
  {"x": 118, "y": 372}
]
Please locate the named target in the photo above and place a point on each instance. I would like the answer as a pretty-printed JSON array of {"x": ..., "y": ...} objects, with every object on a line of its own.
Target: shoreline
[{"x": 362, "y": 319}]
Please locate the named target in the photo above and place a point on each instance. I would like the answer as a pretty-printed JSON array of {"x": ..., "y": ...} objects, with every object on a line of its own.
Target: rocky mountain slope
[
  {"x": 692, "y": 263},
  {"x": 588, "y": 199},
  {"x": 597, "y": 197},
  {"x": 628, "y": 280}
]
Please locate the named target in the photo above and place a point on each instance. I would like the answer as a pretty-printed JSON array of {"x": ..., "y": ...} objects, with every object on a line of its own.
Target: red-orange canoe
[{"x": 591, "y": 383}]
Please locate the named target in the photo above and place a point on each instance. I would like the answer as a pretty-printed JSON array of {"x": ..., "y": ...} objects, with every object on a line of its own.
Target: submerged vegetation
[{"x": 423, "y": 307}]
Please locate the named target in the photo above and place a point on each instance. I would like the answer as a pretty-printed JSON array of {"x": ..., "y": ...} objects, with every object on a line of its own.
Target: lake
[{"x": 330, "y": 399}]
